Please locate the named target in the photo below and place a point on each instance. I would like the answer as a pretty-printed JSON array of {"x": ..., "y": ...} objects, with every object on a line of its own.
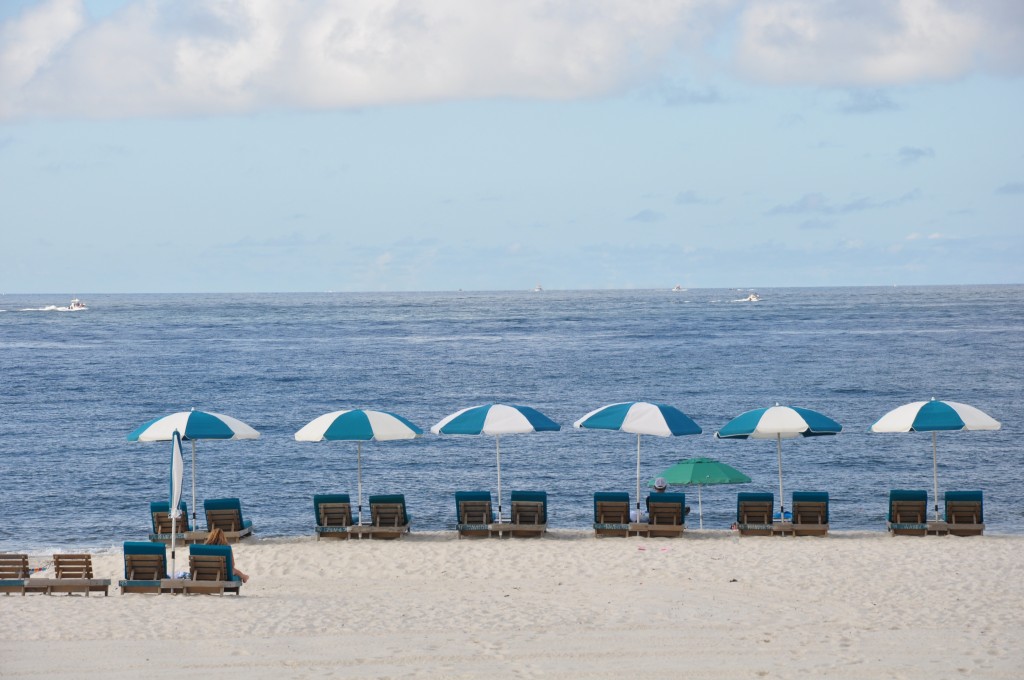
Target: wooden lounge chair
[
  {"x": 810, "y": 513},
  {"x": 226, "y": 514},
  {"x": 908, "y": 512},
  {"x": 611, "y": 513},
  {"x": 163, "y": 525},
  {"x": 333, "y": 515},
  {"x": 474, "y": 513},
  {"x": 13, "y": 573},
  {"x": 666, "y": 514},
  {"x": 73, "y": 575},
  {"x": 964, "y": 516},
  {"x": 529, "y": 514},
  {"x": 212, "y": 570},
  {"x": 754, "y": 513},
  {"x": 388, "y": 516},
  {"x": 145, "y": 569}
]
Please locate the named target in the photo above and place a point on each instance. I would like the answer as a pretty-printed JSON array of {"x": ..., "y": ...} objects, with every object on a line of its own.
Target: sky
[{"x": 393, "y": 145}]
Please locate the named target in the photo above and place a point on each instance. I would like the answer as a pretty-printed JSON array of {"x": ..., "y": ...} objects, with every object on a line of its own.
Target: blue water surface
[{"x": 73, "y": 385}]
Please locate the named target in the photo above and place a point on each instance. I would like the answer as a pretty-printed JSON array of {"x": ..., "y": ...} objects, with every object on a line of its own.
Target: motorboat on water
[
  {"x": 76, "y": 305},
  {"x": 537, "y": 288},
  {"x": 677, "y": 288}
]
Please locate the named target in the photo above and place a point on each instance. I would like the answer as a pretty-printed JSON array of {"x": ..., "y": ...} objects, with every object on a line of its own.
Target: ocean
[{"x": 73, "y": 385}]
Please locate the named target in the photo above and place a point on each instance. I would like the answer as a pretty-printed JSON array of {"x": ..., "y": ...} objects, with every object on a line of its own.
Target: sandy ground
[{"x": 707, "y": 605}]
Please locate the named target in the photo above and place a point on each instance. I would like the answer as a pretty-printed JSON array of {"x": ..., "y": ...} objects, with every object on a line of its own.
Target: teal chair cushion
[
  {"x": 610, "y": 497},
  {"x": 331, "y": 498},
  {"x": 906, "y": 495},
  {"x": 145, "y": 548},
  {"x": 534, "y": 497},
  {"x": 227, "y": 504},
  {"x": 461, "y": 496},
  {"x": 812, "y": 497},
  {"x": 164, "y": 506},
  {"x": 387, "y": 498},
  {"x": 966, "y": 497},
  {"x": 224, "y": 550}
]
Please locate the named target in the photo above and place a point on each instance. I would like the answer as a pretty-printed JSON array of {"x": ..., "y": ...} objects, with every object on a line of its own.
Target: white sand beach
[{"x": 707, "y": 605}]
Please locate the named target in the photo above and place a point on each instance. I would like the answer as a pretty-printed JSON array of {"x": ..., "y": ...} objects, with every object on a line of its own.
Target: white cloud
[
  {"x": 878, "y": 42},
  {"x": 167, "y": 58}
]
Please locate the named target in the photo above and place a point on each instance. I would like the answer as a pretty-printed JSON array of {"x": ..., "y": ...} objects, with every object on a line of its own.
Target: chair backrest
[
  {"x": 77, "y": 565},
  {"x": 529, "y": 507},
  {"x": 611, "y": 507},
  {"x": 13, "y": 566},
  {"x": 810, "y": 507},
  {"x": 908, "y": 506},
  {"x": 473, "y": 507},
  {"x": 224, "y": 514},
  {"x": 211, "y": 563},
  {"x": 666, "y": 508},
  {"x": 332, "y": 510},
  {"x": 964, "y": 507},
  {"x": 388, "y": 510},
  {"x": 159, "y": 511},
  {"x": 754, "y": 507},
  {"x": 145, "y": 561}
]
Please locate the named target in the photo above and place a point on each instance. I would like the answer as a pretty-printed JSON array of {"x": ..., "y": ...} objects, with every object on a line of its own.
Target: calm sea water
[{"x": 73, "y": 385}]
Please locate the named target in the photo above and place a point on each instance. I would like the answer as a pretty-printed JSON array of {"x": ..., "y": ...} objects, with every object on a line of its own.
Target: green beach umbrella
[{"x": 700, "y": 472}]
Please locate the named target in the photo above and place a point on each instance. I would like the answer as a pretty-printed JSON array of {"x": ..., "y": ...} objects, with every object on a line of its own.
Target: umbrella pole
[
  {"x": 359, "y": 480},
  {"x": 700, "y": 507},
  {"x": 195, "y": 526},
  {"x": 174, "y": 530},
  {"x": 782, "y": 498},
  {"x": 497, "y": 453},
  {"x": 935, "y": 473},
  {"x": 638, "y": 478}
]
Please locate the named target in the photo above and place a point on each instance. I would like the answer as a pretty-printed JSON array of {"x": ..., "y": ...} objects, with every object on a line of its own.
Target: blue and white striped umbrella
[
  {"x": 935, "y": 416},
  {"x": 778, "y": 423},
  {"x": 639, "y": 418},
  {"x": 496, "y": 419},
  {"x": 360, "y": 426},
  {"x": 192, "y": 425}
]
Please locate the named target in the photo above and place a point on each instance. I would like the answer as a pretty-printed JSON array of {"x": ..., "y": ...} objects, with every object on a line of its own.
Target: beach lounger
[
  {"x": 666, "y": 514},
  {"x": 333, "y": 515},
  {"x": 474, "y": 513},
  {"x": 529, "y": 514},
  {"x": 212, "y": 570},
  {"x": 908, "y": 512},
  {"x": 754, "y": 513},
  {"x": 73, "y": 575},
  {"x": 810, "y": 513},
  {"x": 162, "y": 524},
  {"x": 964, "y": 516},
  {"x": 388, "y": 516},
  {"x": 611, "y": 513},
  {"x": 13, "y": 573},
  {"x": 226, "y": 514},
  {"x": 145, "y": 569}
]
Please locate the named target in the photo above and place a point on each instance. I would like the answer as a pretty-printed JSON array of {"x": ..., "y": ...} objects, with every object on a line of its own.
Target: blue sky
[{"x": 157, "y": 146}]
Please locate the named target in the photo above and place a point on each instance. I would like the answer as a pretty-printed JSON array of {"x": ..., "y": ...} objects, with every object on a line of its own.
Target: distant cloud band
[{"x": 165, "y": 58}]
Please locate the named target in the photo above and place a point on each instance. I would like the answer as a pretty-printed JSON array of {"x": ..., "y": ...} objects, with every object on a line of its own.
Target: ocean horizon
[{"x": 75, "y": 384}]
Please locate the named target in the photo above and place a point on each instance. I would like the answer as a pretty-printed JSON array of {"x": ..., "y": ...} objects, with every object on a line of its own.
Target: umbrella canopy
[
  {"x": 699, "y": 472},
  {"x": 639, "y": 418},
  {"x": 778, "y": 423},
  {"x": 360, "y": 426},
  {"x": 935, "y": 416},
  {"x": 496, "y": 419},
  {"x": 192, "y": 425}
]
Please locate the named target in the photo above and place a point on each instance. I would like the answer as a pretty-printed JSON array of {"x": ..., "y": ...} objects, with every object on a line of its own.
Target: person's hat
[{"x": 660, "y": 483}]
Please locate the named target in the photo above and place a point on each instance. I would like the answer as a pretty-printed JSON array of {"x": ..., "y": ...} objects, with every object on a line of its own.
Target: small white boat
[
  {"x": 753, "y": 297},
  {"x": 537, "y": 288},
  {"x": 76, "y": 305},
  {"x": 677, "y": 288}
]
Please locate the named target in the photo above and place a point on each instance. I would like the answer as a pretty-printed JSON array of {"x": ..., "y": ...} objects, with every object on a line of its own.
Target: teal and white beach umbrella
[
  {"x": 935, "y": 416},
  {"x": 360, "y": 426},
  {"x": 778, "y": 423},
  {"x": 639, "y": 418},
  {"x": 192, "y": 425},
  {"x": 496, "y": 419}
]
